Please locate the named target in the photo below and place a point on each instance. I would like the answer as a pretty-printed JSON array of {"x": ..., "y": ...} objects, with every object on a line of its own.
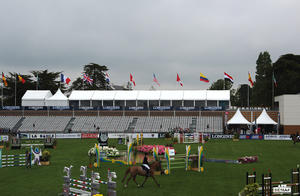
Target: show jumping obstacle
[
  {"x": 87, "y": 186},
  {"x": 12, "y": 160},
  {"x": 267, "y": 186},
  {"x": 189, "y": 138},
  {"x": 186, "y": 162}
]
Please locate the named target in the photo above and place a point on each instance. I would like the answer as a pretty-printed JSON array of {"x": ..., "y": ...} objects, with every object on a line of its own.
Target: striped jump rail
[
  {"x": 80, "y": 186},
  {"x": 99, "y": 181},
  {"x": 80, "y": 182}
]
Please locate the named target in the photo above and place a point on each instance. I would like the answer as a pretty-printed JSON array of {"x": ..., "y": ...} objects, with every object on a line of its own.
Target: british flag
[{"x": 87, "y": 78}]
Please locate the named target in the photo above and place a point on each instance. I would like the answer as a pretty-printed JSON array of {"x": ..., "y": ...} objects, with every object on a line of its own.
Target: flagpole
[
  {"x": 16, "y": 91},
  {"x": 273, "y": 90},
  {"x": 2, "y": 94},
  {"x": 37, "y": 81},
  {"x": 248, "y": 97}
]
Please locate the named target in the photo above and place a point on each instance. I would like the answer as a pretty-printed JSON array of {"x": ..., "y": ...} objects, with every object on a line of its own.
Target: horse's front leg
[
  {"x": 146, "y": 177},
  {"x": 155, "y": 181},
  {"x": 134, "y": 177},
  {"x": 127, "y": 181}
]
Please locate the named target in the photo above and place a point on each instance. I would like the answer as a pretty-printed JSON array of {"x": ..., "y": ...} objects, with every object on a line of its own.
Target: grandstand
[{"x": 118, "y": 124}]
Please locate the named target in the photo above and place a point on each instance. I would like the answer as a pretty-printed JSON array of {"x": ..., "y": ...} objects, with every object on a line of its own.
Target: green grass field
[{"x": 217, "y": 179}]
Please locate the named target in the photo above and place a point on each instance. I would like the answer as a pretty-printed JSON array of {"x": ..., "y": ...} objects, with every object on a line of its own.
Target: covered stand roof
[
  {"x": 264, "y": 119},
  {"x": 58, "y": 99},
  {"x": 150, "y": 95},
  {"x": 238, "y": 119}
]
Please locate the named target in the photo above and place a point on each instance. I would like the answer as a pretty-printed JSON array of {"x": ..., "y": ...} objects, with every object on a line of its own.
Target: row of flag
[
  {"x": 21, "y": 79},
  {"x": 88, "y": 79}
]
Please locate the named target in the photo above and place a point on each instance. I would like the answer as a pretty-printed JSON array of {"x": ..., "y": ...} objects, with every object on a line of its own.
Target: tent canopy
[
  {"x": 238, "y": 119},
  {"x": 35, "y": 97},
  {"x": 264, "y": 119},
  {"x": 58, "y": 99}
]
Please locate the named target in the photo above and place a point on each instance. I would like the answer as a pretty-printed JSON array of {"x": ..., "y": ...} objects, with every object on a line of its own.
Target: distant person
[{"x": 28, "y": 159}]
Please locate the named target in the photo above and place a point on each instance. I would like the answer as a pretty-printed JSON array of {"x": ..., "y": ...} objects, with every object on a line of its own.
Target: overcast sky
[{"x": 143, "y": 37}]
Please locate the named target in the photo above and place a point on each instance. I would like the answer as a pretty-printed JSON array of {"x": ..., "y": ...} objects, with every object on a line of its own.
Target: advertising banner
[
  {"x": 4, "y": 138},
  {"x": 68, "y": 135},
  {"x": 221, "y": 136},
  {"x": 122, "y": 135},
  {"x": 89, "y": 135},
  {"x": 251, "y": 137},
  {"x": 278, "y": 137}
]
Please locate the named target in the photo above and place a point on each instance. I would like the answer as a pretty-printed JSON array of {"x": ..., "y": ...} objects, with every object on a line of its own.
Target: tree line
[{"x": 271, "y": 79}]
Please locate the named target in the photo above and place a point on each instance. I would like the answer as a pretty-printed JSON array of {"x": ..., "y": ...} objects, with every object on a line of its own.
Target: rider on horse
[{"x": 145, "y": 165}]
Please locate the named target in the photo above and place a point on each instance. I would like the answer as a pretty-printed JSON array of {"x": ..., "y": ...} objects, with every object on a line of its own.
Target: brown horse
[
  {"x": 295, "y": 138},
  {"x": 138, "y": 170}
]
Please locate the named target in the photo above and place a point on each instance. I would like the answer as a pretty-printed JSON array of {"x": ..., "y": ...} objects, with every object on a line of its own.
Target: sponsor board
[
  {"x": 89, "y": 135},
  {"x": 111, "y": 108},
  {"x": 278, "y": 137},
  {"x": 221, "y": 136},
  {"x": 161, "y": 108},
  {"x": 251, "y": 137},
  {"x": 4, "y": 138},
  {"x": 135, "y": 108},
  {"x": 282, "y": 189},
  {"x": 68, "y": 135},
  {"x": 11, "y": 108},
  {"x": 122, "y": 135},
  {"x": 37, "y": 135}
]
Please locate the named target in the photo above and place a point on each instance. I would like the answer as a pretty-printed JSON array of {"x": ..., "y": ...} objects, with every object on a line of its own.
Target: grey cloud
[{"x": 145, "y": 37}]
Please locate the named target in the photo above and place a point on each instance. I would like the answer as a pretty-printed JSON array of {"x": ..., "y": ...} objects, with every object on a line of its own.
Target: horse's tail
[{"x": 126, "y": 173}]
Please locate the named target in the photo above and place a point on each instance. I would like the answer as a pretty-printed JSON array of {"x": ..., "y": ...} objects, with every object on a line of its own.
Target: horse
[
  {"x": 138, "y": 170},
  {"x": 295, "y": 138}
]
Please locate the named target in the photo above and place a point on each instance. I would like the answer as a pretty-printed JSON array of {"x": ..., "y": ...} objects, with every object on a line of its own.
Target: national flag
[
  {"x": 64, "y": 79},
  {"x": 274, "y": 80},
  {"x": 227, "y": 76},
  {"x": 250, "y": 80},
  {"x": 131, "y": 80},
  {"x": 4, "y": 79},
  {"x": 21, "y": 79},
  {"x": 107, "y": 78},
  {"x": 88, "y": 79},
  {"x": 155, "y": 80},
  {"x": 179, "y": 80},
  {"x": 203, "y": 78}
]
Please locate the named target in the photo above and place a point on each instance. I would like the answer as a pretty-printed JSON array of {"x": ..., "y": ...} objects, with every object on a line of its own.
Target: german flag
[
  {"x": 21, "y": 79},
  {"x": 4, "y": 79}
]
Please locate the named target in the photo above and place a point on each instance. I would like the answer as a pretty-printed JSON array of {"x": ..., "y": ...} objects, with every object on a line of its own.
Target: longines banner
[{"x": 221, "y": 136}]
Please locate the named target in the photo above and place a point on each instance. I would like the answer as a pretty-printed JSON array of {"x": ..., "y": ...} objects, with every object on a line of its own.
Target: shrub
[
  {"x": 45, "y": 155},
  {"x": 250, "y": 190}
]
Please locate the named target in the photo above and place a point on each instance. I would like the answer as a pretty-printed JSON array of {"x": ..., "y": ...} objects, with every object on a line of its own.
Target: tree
[
  {"x": 287, "y": 74},
  {"x": 241, "y": 96},
  {"x": 95, "y": 72},
  {"x": 262, "y": 90},
  {"x": 16, "y": 89},
  {"x": 48, "y": 81},
  {"x": 219, "y": 85}
]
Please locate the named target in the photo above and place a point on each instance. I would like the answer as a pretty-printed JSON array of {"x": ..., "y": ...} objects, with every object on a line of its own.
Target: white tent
[
  {"x": 35, "y": 98},
  {"x": 264, "y": 119},
  {"x": 58, "y": 99},
  {"x": 238, "y": 119}
]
